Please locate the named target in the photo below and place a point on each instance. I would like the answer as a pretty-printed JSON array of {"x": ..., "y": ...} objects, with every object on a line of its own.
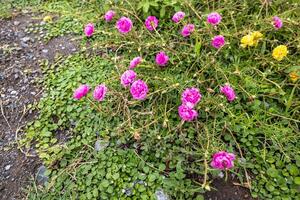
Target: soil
[
  {"x": 20, "y": 53},
  {"x": 227, "y": 191},
  {"x": 22, "y": 47}
]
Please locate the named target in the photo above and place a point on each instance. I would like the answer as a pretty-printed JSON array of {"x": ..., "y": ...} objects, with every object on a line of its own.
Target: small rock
[
  {"x": 33, "y": 93},
  {"x": 41, "y": 177},
  {"x": 13, "y": 92},
  {"x": 221, "y": 175},
  {"x": 160, "y": 195},
  {"x": 24, "y": 45},
  {"x": 25, "y": 39},
  {"x": 45, "y": 51},
  {"x": 16, "y": 23},
  {"x": 7, "y": 167},
  {"x": 63, "y": 48},
  {"x": 100, "y": 145}
]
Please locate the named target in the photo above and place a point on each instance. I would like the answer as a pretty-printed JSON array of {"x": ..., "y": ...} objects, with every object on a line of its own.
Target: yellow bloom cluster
[
  {"x": 280, "y": 52},
  {"x": 47, "y": 19},
  {"x": 251, "y": 39},
  {"x": 294, "y": 76}
]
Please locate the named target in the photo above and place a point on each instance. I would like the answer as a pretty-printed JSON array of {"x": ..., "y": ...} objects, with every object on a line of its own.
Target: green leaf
[
  {"x": 270, "y": 187},
  {"x": 104, "y": 183},
  {"x": 152, "y": 177},
  {"x": 116, "y": 176},
  {"x": 297, "y": 180},
  {"x": 272, "y": 172},
  {"x": 294, "y": 171},
  {"x": 162, "y": 12},
  {"x": 146, "y": 6}
]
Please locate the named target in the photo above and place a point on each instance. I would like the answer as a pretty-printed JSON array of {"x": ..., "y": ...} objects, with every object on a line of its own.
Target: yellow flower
[
  {"x": 247, "y": 40},
  {"x": 47, "y": 18},
  {"x": 294, "y": 76},
  {"x": 251, "y": 39},
  {"x": 280, "y": 52},
  {"x": 256, "y": 37}
]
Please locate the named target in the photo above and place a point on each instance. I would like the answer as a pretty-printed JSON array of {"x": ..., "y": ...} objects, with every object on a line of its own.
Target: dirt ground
[{"x": 22, "y": 47}]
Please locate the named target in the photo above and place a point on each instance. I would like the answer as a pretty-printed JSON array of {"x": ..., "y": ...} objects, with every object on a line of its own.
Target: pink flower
[
  {"x": 222, "y": 160},
  {"x": 81, "y": 91},
  {"x": 109, "y": 15},
  {"x": 135, "y": 62},
  {"x": 124, "y": 25},
  {"x": 151, "y": 23},
  {"x": 190, "y": 97},
  {"x": 177, "y": 17},
  {"x": 214, "y": 18},
  {"x": 187, "y": 30},
  {"x": 89, "y": 30},
  {"x": 128, "y": 77},
  {"x": 100, "y": 92},
  {"x": 228, "y": 92},
  {"x": 187, "y": 113},
  {"x": 277, "y": 22},
  {"x": 218, "y": 41},
  {"x": 161, "y": 59},
  {"x": 139, "y": 90}
]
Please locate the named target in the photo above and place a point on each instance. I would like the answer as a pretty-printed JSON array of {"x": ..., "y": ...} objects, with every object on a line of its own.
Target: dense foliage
[{"x": 146, "y": 146}]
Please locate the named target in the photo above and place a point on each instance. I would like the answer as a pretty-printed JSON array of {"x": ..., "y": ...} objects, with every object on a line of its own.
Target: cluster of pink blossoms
[
  {"x": 109, "y": 15},
  {"x": 89, "y": 30},
  {"x": 162, "y": 59},
  {"x": 128, "y": 77},
  {"x": 98, "y": 94},
  {"x": 223, "y": 160},
  {"x": 228, "y": 92},
  {"x": 277, "y": 22},
  {"x": 138, "y": 88},
  {"x": 151, "y": 23},
  {"x": 189, "y": 98}
]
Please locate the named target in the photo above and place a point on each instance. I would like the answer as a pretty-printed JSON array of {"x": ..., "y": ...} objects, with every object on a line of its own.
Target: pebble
[
  {"x": 45, "y": 51},
  {"x": 7, "y": 167},
  {"x": 160, "y": 195},
  {"x": 41, "y": 177},
  {"x": 100, "y": 145},
  {"x": 13, "y": 92},
  {"x": 16, "y": 23},
  {"x": 25, "y": 39}
]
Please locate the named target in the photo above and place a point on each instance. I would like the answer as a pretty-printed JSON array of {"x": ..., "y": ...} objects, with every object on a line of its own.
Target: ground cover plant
[{"x": 166, "y": 96}]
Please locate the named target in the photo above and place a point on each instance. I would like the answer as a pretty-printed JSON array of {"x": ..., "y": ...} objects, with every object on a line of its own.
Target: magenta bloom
[
  {"x": 139, "y": 90},
  {"x": 187, "y": 30},
  {"x": 214, "y": 18},
  {"x": 135, "y": 62},
  {"x": 124, "y": 25},
  {"x": 128, "y": 77},
  {"x": 190, "y": 97},
  {"x": 187, "y": 113},
  {"x": 100, "y": 92},
  {"x": 177, "y": 17},
  {"x": 222, "y": 160},
  {"x": 89, "y": 30},
  {"x": 81, "y": 91},
  {"x": 109, "y": 15},
  {"x": 277, "y": 22},
  {"x": 151, "y": 23},
  {"x": 161, "y": 59},
  {"x": 228, "y": 92},
  {"x": 218, "y": 41}
]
